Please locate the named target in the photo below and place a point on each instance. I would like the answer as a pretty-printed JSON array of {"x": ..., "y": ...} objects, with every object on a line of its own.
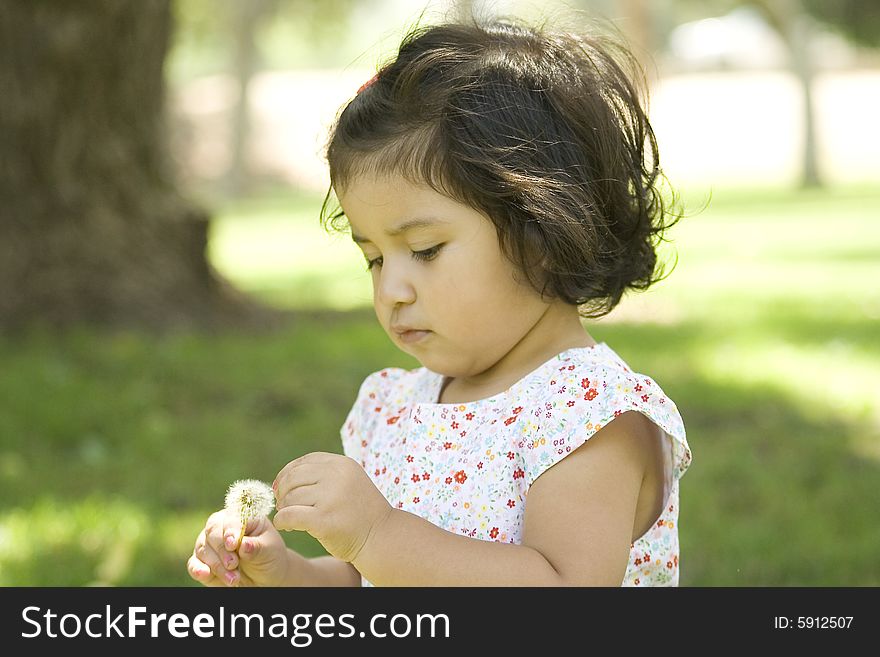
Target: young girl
[{"x": 496, "y": 179}]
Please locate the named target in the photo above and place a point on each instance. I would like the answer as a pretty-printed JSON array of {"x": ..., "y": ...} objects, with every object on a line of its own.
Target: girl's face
[{"x": 442, "y": 289}]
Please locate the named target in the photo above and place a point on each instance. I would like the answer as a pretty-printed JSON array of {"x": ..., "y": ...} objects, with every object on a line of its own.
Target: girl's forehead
[
  {"x": 383, "y": 179},
  {"x": 390, "y": 193}
]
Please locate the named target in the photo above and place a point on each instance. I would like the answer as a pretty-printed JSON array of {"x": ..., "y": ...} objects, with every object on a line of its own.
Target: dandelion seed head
[{"x": 249, "y": 499}]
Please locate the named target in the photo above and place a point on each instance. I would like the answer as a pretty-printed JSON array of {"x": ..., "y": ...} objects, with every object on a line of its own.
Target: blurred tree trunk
[
  {"x": 92, "y": 228},
  {"x": 635, "y": 19},
  {"x": 800, "y": 32},
  {"x": 246, "y": 18},
  {"x": 794, "y": 25},
  {"x": 465, "y": 9}
]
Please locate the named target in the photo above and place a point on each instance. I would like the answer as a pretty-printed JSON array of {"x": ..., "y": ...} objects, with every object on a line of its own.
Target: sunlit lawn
[{"x": 114, "y": 448}]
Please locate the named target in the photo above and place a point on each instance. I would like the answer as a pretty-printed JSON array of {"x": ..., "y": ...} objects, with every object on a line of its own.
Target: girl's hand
[
  {"x": 333, "y": 499},
  {"x": 262, "y": 558}
]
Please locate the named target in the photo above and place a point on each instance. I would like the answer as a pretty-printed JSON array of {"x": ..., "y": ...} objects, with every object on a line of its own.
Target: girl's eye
[
  {"x": 424, "y": 255},
  {"x": 427, "y": 254}
]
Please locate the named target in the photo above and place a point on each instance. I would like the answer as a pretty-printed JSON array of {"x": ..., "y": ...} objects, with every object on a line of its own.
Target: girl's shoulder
[
  {"x": 393, "y": 385},
  {"x": 589, "y": 372},
  {"x": 586, "y": 388}
]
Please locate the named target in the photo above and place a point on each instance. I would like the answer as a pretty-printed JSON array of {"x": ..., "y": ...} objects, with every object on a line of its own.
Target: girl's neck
[{"x": 558, "y": 330}]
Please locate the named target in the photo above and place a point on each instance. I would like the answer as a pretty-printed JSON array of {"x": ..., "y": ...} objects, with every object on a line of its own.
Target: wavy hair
[{"x": 542, "y": 131}]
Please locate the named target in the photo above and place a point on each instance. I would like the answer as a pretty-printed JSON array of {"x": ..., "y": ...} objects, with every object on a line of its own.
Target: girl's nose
[{"x": 393, "y": 286}]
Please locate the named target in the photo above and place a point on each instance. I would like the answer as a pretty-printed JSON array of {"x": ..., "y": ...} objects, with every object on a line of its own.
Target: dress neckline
[{"x": 434, "y": 385}]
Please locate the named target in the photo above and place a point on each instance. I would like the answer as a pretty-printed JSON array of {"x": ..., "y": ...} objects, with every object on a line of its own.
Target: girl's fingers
[
  {"x": 306, "y": 495},
  {"x": 208, "y": 556},
  {"x": 298, "y": 473},
  {"x": 215, "y": 537},
  {"x": 198, "y": 570},
  {"x": 250, "y": 549}
]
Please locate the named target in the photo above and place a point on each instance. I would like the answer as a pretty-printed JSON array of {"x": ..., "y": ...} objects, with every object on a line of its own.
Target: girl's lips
[{"x": 413, "y": 336}]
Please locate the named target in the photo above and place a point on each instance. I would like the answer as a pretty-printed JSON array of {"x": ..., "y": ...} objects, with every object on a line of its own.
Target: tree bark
[{"x": 92, "y": 227}]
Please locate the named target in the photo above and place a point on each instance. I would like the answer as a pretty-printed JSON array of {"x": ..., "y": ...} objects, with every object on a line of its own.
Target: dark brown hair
[{"x": 541, "y": 131}]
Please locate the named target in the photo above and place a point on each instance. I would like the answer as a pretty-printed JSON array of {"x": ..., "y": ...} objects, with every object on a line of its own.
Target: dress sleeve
[
  {"x": 359, "y": 424},
  {"x": 575, "y": 415}
]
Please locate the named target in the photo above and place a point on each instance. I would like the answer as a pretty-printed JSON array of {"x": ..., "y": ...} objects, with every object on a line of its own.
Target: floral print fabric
[{"x": 467, "y": 467}]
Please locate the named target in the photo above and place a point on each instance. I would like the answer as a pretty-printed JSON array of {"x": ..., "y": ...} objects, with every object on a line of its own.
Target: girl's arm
[
  {"x": 578, "y": 526},
  {"x": 330, "y": 571},
  {"x": 407, "y": 550}
]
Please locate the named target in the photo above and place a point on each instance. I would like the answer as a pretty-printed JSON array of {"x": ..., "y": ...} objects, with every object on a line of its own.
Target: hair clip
[{"x": 368, "y": 82}]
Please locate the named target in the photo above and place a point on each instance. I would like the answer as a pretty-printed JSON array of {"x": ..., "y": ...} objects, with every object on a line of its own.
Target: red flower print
[
  {"x": 470, "y": 416},
  {"x": 585, "y": 383},
  {"x": 363, "y": 443},
  {"x": 648, "y": 381},
  {"x": 511, "y": 503},
  {"x": 553, "y": 383},
  {"x": 426, "y": 476},
  {"x": 455, "y": 425},
  {"x": 660, "y": 522},
  {"x": 510, "y": 455},
  {"x": 447, "y": 445},
  {"x": 383, "y": 469},
  {"x": 416, "y": 500},
  {"x": 400, "y": 505},
  {"x": 463, "y": 434},
  {"x": 570, "y": 404},
  {"x": 617, "y": 413},
  {"x": 480, "y": 465},
  {"x": 448, "y": 480},
  {"x": 397, "y": 480},
  {"x": 637, "y": 581},
  {"x": 377, "y": 409},
  {"x": 517, "y": 410},
  {"x": 670, "y": 508},
  {"x": 638, "y": 388},
  {"x": 638, "y": 562},
  {"x": 415, "y": 478},
  {"x": 392, "y": 420},
  {"x": 493, "y": 533},
  {"x": 409, "y": 459},
  {"x": 383, "y": 374},
  {"x": 510, "y": 420},
  {"x": 669, "y": 564},
  {"x": 647, "y": 558},
  {"x": 372, "y": 395},
  {"x": 376, "y": 472},
  {"x": 518, "y": 473},
  {"x": 592, "y": 393},
  {"x": 675, "y": 559},
  {"x": 460, "y": 476},
  {"x": 570, "y": 367},
  {"x": 645, "y": 398}
]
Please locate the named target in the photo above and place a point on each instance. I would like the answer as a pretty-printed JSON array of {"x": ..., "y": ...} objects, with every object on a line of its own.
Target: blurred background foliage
[{"x": 117, "y": 441}]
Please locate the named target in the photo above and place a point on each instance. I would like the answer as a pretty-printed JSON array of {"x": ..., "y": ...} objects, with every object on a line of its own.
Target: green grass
[{"x": 114, "y": 447}]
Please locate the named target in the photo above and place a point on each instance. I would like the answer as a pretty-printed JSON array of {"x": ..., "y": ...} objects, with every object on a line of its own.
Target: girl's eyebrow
[{"x": 422, "y": 222}]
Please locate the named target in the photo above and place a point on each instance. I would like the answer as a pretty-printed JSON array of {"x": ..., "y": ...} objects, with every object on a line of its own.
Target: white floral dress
[{"x": 467, "y": 467}]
